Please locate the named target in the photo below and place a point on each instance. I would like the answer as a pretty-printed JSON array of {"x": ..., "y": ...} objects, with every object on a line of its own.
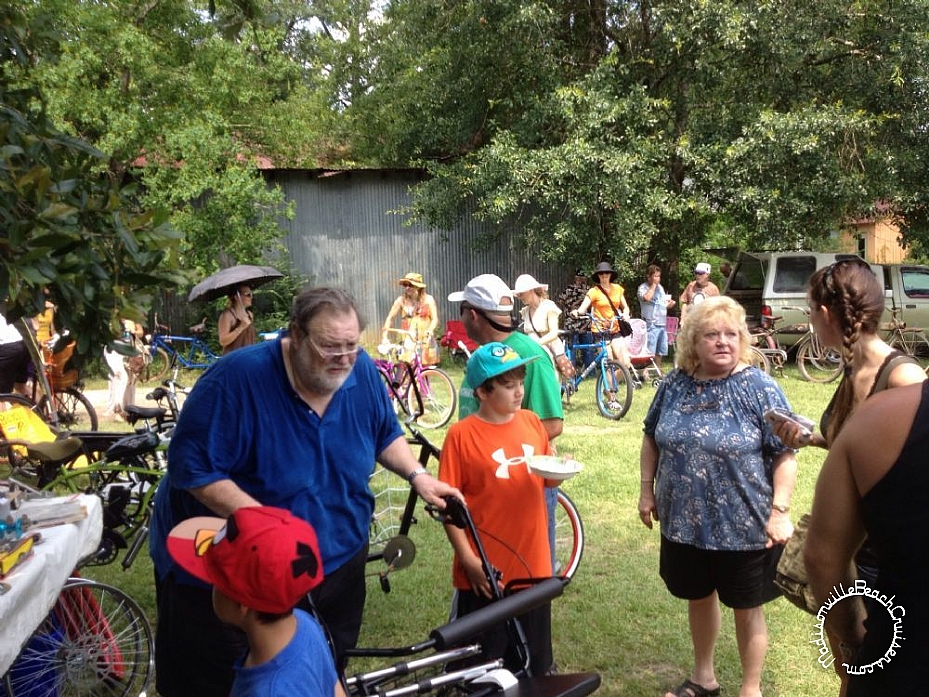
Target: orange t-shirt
[
  {"x": 603, "y": 310},
  {"x": 487, "y": 463}
]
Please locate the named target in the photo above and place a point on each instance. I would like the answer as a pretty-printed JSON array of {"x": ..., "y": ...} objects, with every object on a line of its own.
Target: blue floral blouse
[{"x": 714, "y": 483}]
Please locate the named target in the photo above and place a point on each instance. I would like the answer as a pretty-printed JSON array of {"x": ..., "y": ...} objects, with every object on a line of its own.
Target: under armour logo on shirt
[{"x": 503, "y": 470}]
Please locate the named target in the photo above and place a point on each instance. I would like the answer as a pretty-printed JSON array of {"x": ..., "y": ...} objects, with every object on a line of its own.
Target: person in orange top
[
  {"x": 485, "y": 456},
  {"x": 607, "y": 300}
]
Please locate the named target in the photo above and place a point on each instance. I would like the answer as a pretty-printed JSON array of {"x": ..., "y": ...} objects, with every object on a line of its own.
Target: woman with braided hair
[{"x": 846, "y": 303}]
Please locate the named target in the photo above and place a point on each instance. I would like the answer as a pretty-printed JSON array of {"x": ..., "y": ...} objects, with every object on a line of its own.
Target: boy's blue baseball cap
[{"x": 491, "y": 360}]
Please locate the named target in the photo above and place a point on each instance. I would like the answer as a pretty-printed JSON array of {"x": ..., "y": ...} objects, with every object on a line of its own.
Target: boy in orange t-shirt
[{"x": 485, "y": 456}]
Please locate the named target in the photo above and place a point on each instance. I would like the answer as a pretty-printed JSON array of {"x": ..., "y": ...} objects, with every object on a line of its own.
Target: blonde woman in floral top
[{"x": 719, "y": 482}]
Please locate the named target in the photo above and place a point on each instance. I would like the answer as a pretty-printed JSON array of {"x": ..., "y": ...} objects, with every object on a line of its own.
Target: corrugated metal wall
[{"x": 345, "y": 234}]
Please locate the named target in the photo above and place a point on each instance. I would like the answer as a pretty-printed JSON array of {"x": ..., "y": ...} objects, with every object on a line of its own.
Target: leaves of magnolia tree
[{"x": 68, "y": 225}]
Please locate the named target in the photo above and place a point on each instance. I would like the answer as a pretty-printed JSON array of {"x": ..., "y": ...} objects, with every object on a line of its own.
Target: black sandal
[{"x": 689, "y": 688}]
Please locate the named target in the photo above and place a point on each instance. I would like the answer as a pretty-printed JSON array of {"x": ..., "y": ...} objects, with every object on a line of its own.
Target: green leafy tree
[
  {"x": 652, "y": 124},
  {"x": 69, "y": 224}
]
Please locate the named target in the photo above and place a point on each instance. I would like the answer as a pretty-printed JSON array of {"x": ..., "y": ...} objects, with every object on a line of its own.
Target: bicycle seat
[
  {"x": 56, "y": 452},
  {"x": 134, "y": 413}
]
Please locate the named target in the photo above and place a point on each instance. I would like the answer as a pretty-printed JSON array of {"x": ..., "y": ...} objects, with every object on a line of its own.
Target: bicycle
[
  {"x": 909, "y": 340},
  {"x": 433, "y": 385},
  {"x": 170, "y": 351},
  {"x": 767, "y": 351},
  {"x": 448, "y": 643},
  {"x": 125, "y": 477},
  {"x": 57, "y": 389},
  {"x": 615, "y": 384},
  {"x": 815, "y": 361},
  {"x": 95, "y": 641}
]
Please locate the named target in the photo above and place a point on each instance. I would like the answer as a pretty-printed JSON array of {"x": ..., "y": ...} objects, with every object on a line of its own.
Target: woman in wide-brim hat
[
  {"x": 540, "y": 316},
  {"x": 418, "y": 312},
  {"x": 607, "y": 302}
]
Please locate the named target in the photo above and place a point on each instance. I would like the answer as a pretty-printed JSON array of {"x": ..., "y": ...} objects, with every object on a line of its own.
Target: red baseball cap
[{"x": 260, "y": 556}]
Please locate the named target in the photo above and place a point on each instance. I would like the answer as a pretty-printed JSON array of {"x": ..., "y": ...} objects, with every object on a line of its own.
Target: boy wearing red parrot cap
[{"x": 262, "y": 561}]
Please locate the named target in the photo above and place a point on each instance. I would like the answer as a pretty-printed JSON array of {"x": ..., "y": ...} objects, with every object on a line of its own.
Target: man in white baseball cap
[
  {"x": 698, "y": 289},
  {"x": 487, "y": 313}
]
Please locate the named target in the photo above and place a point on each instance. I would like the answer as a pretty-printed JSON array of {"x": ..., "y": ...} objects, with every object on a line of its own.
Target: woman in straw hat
[{"x": 417, "y": 310}]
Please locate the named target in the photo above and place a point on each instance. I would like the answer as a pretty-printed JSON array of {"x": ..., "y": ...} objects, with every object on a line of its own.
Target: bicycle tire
[
  {"x": 95, "y": 641},
  {"x": 760, "y": 361},
  {"x": 159, "y": 366},
  {"x": 818, "y": 363},
  {"x": 569, "y": 537},
  {"x": 614, "y": 390},
  {"x": 75, "y": 411},
  {"x": 439, "y": 398},
  {"x": 913, "y": 343}
]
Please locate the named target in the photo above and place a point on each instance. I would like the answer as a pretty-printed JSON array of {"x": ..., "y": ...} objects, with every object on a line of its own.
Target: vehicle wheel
[
  {"x": 95, "y": 641},
  {"x": 569, "y": 537},
  {"x": 75, "y": 411},
  {"x": 913, "y": 343},
  {"x": 614, "y": 390},
  {"x": 760, "y": 361},
  {"x": 818, "y": 363},
  {"x": 158, "y": 368},
  {"x": 439, "y": 398}
]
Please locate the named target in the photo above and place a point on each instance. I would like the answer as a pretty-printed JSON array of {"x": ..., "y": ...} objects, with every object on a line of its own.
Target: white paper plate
[{"x": 552, "y": 467}]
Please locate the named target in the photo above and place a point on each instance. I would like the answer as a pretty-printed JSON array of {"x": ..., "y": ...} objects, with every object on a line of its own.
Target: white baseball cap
[
  {"x": 486, "y": 292},
  {"x": 702, "y": 267}
]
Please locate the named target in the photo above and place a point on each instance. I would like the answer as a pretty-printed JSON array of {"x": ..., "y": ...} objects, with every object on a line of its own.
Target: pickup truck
[{"x": 771, "y": 283}]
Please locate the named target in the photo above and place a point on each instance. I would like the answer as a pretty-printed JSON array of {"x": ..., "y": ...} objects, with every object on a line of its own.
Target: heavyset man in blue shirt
[{"x": 295, "y": 423}]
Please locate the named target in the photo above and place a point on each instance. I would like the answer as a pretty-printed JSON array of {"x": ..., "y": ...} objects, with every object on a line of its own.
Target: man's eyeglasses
[{"x": 332, "y": 353}]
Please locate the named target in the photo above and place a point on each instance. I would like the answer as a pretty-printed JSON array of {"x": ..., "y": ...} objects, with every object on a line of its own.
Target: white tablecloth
[{"x": 35, "y": 584}]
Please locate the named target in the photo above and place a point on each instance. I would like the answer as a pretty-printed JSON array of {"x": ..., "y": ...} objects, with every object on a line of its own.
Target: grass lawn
[{"x": 616, "y": 616}]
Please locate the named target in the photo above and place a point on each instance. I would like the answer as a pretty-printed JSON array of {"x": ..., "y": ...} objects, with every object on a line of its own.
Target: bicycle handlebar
[{"x": 512, "y": 606}]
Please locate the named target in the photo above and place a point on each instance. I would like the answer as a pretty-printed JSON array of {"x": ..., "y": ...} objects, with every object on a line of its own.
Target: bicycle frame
[
  {"x": 192, "y": 348},
  {"x": 615, "y": 383}
]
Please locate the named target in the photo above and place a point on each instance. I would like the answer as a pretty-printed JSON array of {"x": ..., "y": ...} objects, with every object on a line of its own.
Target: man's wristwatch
[{"x": 415, "y": 473}]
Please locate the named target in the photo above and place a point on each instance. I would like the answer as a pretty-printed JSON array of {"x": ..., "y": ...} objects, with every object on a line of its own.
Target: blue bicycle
[
  {"x": 615, "y": 384},
  {"x": 167, "y": 351}
]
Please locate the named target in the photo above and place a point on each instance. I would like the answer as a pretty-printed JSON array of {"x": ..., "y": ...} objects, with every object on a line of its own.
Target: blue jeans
[{"x": 657, "y": 340}]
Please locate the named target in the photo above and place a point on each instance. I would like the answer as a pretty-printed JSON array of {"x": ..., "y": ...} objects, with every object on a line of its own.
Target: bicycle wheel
[
  {"x": 439, "y": 398},
  {"x": 614, "y": 390},
  {"x": 818, "y": 363},
  {"x": 913, "y": 343},
  {"x": 760, "y": 361},
  {"x": 158, "y": 367},
  {"x": 569, "y": 537},
  {"x": 95, "y": 641},
  {"x": 75, "y": 411}
]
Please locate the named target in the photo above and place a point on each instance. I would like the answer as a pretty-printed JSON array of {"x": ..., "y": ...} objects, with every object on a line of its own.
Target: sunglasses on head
[{"x": 828, "y": 280}]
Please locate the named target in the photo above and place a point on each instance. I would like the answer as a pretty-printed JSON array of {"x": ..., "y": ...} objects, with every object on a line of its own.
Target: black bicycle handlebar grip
[{"x": 474, "y": 623}]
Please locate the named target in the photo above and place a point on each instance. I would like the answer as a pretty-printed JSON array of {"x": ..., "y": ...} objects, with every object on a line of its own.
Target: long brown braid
[{"x": 855, "y": 296}]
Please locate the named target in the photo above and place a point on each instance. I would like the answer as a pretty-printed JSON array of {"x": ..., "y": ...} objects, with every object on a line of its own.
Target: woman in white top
[{"x": 539, "y": 315}]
